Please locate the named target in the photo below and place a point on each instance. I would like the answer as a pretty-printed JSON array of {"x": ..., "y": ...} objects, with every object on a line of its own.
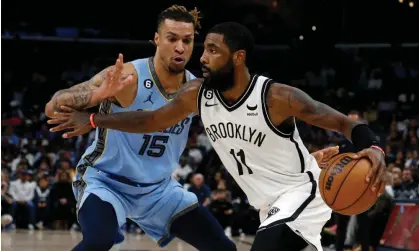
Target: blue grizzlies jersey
[{"x": 143, "y": 158}]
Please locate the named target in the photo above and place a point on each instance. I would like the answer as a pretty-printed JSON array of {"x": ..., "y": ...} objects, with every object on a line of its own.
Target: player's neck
[
  {"x": 170, "y": 82},
  {"x": 241, "y": 83}
]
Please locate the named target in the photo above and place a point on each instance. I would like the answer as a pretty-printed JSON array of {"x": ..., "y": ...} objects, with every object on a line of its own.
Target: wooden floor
[{"x": 66, "y": 240}]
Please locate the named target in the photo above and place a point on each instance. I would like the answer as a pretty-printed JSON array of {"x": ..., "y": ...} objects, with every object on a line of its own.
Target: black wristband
[{"x": 363, "y": 137}]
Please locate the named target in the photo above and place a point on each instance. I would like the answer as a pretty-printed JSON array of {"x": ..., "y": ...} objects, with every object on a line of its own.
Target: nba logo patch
[{"x": 272, "y": 211}]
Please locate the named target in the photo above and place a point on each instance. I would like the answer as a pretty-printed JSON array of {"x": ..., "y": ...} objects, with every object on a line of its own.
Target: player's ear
[
  {"x": 156, "y": 39},
  {"x": 239, "y": 57}
]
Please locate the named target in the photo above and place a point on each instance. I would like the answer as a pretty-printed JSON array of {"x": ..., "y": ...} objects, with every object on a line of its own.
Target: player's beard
[{"x": 222, "y": 79}]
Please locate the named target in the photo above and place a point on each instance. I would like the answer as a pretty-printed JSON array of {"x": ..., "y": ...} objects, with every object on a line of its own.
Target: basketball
[{"x": 343, "y": 187}]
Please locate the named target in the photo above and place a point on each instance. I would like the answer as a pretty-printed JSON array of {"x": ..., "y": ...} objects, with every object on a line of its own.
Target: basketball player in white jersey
[{"x": 250, "y": 122}]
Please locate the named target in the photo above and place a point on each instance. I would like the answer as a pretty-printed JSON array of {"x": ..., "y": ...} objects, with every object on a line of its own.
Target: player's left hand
[
  {"x": 69, "y": 118},
  {"x": 377, "y": 174},
  {"x": 323, "y": 155},
  {"x": 115, "y": 81}
]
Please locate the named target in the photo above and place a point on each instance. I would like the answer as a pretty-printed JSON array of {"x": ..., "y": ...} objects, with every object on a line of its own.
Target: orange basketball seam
[
  {"x": 325, "y": 174},
  {"x": 366, "y": 189},
  {"x": 343, "y": 181},
  {"x": 324, "y": 177},
  {"x": 356, "y": 200}
]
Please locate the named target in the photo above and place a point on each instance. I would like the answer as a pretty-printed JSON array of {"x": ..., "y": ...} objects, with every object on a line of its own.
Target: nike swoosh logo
[
  {"x": 252, "y": 108},
  {"x": 209, "y": 105}
]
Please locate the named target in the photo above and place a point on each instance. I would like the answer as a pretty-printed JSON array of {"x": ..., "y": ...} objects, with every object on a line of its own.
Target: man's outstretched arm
[
  {"x": 153, "y": 121},
  {"x": 286, "y": 101},
  {"x": 79, "y": 96},
  {"x": 166, "y": 116}
]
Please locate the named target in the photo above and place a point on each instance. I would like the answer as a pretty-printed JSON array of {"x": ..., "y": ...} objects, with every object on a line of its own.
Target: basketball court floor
[{"x": 20, "y": 240}]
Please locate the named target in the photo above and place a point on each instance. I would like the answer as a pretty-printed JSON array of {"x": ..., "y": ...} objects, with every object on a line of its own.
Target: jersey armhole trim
[
  {"x": 265, "y": 89},
  {"x": 198, "y": 100},
  {"x": 290, "y": 136},
  {"x": 300, "y": 153}
]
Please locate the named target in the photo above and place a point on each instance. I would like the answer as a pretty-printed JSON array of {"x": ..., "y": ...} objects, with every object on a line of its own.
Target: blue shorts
[{"x": 152, "y": 206}]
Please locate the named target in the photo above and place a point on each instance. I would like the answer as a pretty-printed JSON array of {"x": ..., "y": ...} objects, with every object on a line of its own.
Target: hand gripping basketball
[{"x": 377, "y": 174}]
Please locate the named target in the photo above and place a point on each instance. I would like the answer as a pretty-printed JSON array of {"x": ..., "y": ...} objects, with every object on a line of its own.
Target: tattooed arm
[
  {"x": 78, "y": 96},
  {"x": 166, "y": 116},
  {"x": 81, "y": 95},
  {"x": 136, "y": 121},
  {"x": 286, "y": 101}
]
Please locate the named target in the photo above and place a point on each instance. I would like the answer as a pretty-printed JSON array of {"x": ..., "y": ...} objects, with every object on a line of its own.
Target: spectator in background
[
  {"x": 6, "y": 202},
  {"x": 63, "y": 202},
  {"x": 182, "y": 170},
  {"x": 200, "y": 189},
  {"x": 396, "y": 172},
  {"x": 399, "y": 159},
  {"x": 409, "y": 187},
  {"x": 43, "y": 170},
  {"x": 412, "y": 160},
  {"x": 390, "y": 156},
  {"x": 397, "y": 181},
  {"x": 215, "y": 179},
  {"x": 411, "y": 140},
  {"x": 22, "y": 191},
  {"x": 65, "y": 165},
  {"x": 222, "y": 186},
  {"x": 221, "y": 208},
  {"x": 10, "y": 136},
  {"x": 42, "y": 192},
  {"x": 21, "y": 167},
  {"x": 380, "y": 214},
  {"x": 23, "y": 158}
]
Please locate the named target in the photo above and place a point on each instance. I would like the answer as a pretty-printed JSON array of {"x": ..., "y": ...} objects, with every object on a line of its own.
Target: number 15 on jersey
[{"x": 156, "y": 145}]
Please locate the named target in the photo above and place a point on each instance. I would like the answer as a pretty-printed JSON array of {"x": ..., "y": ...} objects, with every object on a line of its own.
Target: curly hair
[{"x": 180, "y": 13}]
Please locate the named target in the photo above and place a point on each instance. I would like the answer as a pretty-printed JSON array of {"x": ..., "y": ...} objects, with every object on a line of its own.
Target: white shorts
[{"x": 302, "y": 209}]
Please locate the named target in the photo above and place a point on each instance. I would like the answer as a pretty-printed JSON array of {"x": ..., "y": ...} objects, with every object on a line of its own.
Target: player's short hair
[
  {"x": 180, "y": 14},
  {"x": 236, "y": 36}
]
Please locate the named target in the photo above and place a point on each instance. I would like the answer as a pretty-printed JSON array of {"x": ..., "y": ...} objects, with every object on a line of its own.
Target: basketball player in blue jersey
[
  {"x": 250, "y": 121},
  {"x": 128, "y": 175}
]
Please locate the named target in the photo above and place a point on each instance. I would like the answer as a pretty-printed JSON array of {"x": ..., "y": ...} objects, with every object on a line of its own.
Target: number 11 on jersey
[{"x": 241, "y": 162}]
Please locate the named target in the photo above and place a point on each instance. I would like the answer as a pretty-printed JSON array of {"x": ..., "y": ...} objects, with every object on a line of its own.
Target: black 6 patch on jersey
[
  {"x": 148, "y": 83},
  {"x": 209, "y": 94}
]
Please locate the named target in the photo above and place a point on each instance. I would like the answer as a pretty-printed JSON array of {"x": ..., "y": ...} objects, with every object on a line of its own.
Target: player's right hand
[{"x": 114, "y": 82}]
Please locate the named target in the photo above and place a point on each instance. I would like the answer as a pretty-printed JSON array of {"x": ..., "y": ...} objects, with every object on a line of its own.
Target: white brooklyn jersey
[{"x": 265, "y": 162}]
